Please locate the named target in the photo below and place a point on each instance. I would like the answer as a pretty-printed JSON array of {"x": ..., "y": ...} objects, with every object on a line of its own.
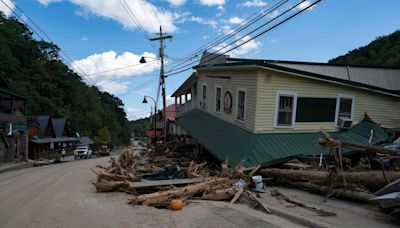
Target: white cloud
[
  {"x": 135, "y": 113},
  {"x": 255, "y": 3},
  {"x": 6, "y": 10},
  {"x": 46, "y": 2},
  {"x": 203, "y": 21},
  {"x": 212, "y": 2},
  {"x": 106, "y": 69},
  {"x": 251, "y": 47},
  {"x": 85, "y": 38},
  {"x": 236, "y": 20},
  {"x": 177, "y": 2},
  {"x": 114, "y": 10},
  {"x": 304, "y": 5},
  {"x": 113, "y": 87}
]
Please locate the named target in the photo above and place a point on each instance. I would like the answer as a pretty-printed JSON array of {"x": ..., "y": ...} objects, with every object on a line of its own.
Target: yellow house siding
[
  {"x": 238, "y": 79},
  {"x": 381, "y": 108}
]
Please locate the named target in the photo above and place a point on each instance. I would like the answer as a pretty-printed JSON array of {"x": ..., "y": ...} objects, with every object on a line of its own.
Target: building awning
[
  {"x": 229, "y": 142},
  {"x": 53, "y": 140}
]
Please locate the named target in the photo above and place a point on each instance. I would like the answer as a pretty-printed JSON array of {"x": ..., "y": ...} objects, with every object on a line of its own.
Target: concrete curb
[
  {"x": 296, "y": 218},
  {"x": 15, "y": 167}
]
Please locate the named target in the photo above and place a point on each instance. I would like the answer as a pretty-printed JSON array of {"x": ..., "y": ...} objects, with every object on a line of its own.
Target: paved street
[{"x": 62, "y": 195}]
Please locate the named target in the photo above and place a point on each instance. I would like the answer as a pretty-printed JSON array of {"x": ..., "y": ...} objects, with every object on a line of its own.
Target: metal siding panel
[{"x": 379, "y": 77}]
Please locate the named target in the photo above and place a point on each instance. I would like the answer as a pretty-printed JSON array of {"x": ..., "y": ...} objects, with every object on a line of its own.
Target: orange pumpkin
[{"x": 176, "y": 204}]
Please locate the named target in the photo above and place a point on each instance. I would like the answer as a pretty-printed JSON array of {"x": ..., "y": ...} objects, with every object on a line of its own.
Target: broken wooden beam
[{"x": 158, "y": 183}]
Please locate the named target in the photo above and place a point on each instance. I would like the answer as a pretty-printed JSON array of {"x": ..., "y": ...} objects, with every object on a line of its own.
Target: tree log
[
  {"x": 365, "y": 149},
  {"x": 187, "y": 191},
  {"x": 110, "y": 186},
  {"x": 369, "y": 179},
  {"x": 337, "y": 193},
  {"x": 219, "y": 194}
]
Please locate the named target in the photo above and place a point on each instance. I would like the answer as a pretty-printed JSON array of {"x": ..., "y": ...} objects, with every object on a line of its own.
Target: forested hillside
[
  {"x": 33, "y": 68},
  {"x": 384, "y": 51}
]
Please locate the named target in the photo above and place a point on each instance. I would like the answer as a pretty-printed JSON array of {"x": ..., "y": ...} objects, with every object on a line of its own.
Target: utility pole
[{"x": 161, "y": 38}]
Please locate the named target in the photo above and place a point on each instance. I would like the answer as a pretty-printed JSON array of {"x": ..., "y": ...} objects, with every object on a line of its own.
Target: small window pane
[
  {"x": 285, "y": 111},
  {"x": 218, "y": 100},
  {"x": 240, "y": 105},
  {"x": 345, "y": 107}
]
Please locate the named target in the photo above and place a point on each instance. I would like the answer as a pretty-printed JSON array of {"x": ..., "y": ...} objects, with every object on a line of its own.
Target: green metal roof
[{"x": 227, "y": 141}]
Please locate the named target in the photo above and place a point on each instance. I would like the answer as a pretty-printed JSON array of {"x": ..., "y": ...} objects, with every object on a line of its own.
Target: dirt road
[{"x": 62, "y": 195}]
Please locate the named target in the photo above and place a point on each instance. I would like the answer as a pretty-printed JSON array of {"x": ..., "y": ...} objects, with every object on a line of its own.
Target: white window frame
[
  {"x": 346, "y": 96},
  {"x": 277, "y": 100},
  {"x": 215, "y": 100},
  {"x": 242, "y": 89},
  {"x": 204, "y": 102}
]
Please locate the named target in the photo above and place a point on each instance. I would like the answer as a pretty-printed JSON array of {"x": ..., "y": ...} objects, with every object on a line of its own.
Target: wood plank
[
  {"x": 297, "y": 166},
  {"x": 146, "y": 184}
]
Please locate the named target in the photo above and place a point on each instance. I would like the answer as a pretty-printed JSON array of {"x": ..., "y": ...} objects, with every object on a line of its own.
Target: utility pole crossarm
[{"x": 161, "y": 38}]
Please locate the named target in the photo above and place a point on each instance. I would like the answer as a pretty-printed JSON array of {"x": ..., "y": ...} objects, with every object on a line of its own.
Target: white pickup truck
[{"x": 82, "y": 152}]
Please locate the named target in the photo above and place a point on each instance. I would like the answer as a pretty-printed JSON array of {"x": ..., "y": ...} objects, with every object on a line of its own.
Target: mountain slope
[{"x": 384, "y": 51}]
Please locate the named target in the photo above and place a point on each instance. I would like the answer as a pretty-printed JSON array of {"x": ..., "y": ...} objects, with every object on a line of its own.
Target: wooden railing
[{"x": 188, "y": 106}]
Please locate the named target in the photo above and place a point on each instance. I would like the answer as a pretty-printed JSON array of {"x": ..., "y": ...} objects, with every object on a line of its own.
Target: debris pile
[{"x": 153, "y": 180}]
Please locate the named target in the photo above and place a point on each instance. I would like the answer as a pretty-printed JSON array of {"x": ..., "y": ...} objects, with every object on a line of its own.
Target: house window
[
  {"x": 218, "y": 97},
  {"x": 345, "y": 108},
  {"x": 203, "y": 96},
  {"x": 241, "y": 104},
  {"x": 285, "y": 109}
]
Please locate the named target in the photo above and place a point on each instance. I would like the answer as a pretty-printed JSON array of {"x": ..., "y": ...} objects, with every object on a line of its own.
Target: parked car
[
  {"x": 83, "y": 152},
  {"x": 104, "y": 151}
]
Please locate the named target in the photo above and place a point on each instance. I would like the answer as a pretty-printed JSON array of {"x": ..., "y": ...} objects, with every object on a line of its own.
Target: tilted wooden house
[{"x": 260, "y": 111}]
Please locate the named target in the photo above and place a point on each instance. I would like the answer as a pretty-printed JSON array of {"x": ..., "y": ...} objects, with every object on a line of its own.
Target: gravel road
[{"x": 61, "y": 195}]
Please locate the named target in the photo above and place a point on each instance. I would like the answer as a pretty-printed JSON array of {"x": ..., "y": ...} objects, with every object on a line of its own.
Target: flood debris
[{"x": 171, "y": 173}]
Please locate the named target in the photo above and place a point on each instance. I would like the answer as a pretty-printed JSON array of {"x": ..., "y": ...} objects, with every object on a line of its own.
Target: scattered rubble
[{"x": 177, "y": 172}]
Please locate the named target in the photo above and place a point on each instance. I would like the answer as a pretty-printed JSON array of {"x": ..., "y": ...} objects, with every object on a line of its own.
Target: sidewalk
[{"x": 5, "y": 167}]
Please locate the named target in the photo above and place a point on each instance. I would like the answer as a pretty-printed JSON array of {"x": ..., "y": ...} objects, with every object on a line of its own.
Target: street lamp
[{"x": 155, "y": 119}]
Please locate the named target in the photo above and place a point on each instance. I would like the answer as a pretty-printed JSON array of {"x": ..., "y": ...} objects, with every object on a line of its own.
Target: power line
[
  {"x": 249, "y": 33},
  {"x": 238, "y": 28},
  {"x": 243, "y": 25},
  {"x": 137, "y": 22},
  {"x": 121, "y": 68},
  {"x": 258, "y": 35},
  {"x": 27, "y": 16}
]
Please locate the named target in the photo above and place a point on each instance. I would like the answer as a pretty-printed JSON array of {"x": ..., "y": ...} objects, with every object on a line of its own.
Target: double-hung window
[
  {"x": 203, "y": 96},
  {"x": 344, "y": 108},
  {"x": 285, "y": 109},
  {"x": 218, "y": 97},
  {"x": 241, "y": 104}
]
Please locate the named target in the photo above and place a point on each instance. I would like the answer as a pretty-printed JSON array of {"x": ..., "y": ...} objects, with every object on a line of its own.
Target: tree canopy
[
  {"x": 34, "y": 68},
  {"x": 384, "y": 51}
]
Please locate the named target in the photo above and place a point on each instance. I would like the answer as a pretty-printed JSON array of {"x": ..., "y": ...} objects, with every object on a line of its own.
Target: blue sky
[{"x": 104, "y": 42}]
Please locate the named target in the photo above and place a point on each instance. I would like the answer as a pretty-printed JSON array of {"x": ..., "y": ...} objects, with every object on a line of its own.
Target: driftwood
[
  {"x": 159, "y": 183},
  {"x": 166, "y": 196},
  {"x": 365, "y": 149},
  {"x": 219, "y": 194},
  {"x": 360, "y": 196},
  {"x": 256, "y": 202},
  {"x": 111, "y": 186},
  {"x": 369, "y": 179},
  {"x": 276, "y": 193},
  {"x": 237, "y": 195}
]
